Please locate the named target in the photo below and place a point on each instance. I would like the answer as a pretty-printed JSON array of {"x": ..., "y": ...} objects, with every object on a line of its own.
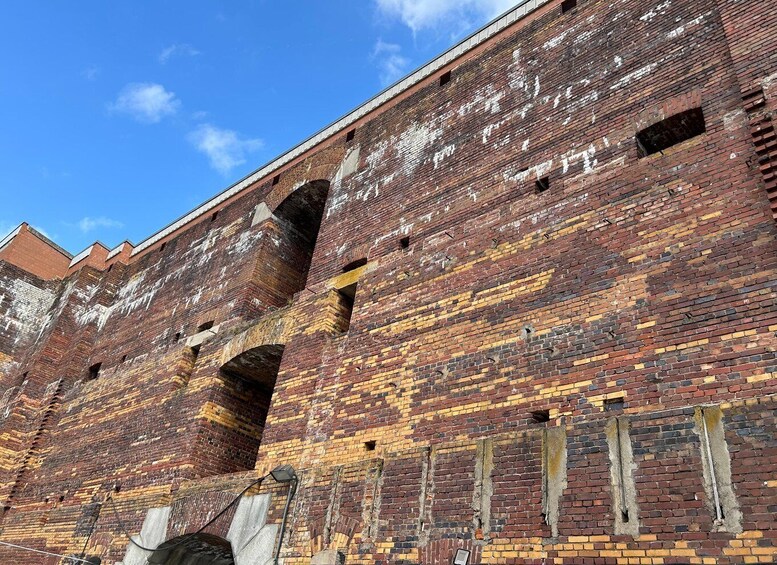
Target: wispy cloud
[
  {"x": 146, "y": 102},
  {"x": 90, "y": 73},
  {"x": 225, "y": 148},
  {"x": 427, "y": 14},
  {"x": 391, "y": 63},
  {"x": 88, "y": 224},
  {"x": 176, "y": 50}
]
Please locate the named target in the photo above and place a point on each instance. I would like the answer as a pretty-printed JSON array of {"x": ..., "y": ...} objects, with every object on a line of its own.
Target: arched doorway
[{"x": 197, "y": 549}]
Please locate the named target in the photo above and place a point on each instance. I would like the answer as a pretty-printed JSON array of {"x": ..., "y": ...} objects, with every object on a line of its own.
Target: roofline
[
  {"x": 10, "y": 237},
  {"x": 522, "y": 9}
]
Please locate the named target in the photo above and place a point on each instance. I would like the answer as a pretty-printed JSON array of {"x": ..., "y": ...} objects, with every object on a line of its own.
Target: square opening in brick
[
  {"x": 370, "y": 445},
  {"x": 350, "y": 135},
  {"x": 355, "y": 264},
  {"x": 540, "y": 416},
  {"x": 445, "y": 78},
  {"x": 94, "y": 371},
  {"x": 567, "y": 5},
  {"x": 205, "y": 326},
  {"x": 542, "y": 185},
  {"x": 613, "y": 404},
  {"x": 404, "y": 243},
  {"x": 276, "y": 179},
  {"x": 214, "y": 216},
  {"x": 670, "y": 131}
]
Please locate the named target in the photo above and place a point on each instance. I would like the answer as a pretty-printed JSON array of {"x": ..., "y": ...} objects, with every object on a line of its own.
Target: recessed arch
[
  {"x": 194, "y": 549},
  {"x": 293, "y": 230}
]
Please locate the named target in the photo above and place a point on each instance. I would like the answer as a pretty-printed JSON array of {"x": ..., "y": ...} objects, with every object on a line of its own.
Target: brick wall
[{"x": 634, "y": 290}]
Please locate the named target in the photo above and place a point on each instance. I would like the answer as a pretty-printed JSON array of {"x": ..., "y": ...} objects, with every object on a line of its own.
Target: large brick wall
[{"x": 580, "y": 374}]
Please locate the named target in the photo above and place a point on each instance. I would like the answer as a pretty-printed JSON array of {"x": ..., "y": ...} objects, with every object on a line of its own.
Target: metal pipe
[
  {"x": 289, "y": 496},
  {"x": 711, "y": 464}
]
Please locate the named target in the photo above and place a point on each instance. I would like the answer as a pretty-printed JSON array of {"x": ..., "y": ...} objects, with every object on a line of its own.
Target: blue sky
[{"x": 117, "y": 117}]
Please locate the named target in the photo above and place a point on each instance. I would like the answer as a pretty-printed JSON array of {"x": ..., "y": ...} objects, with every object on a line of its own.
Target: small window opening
[
  {"x": 567, "y": 5},
  {"x": 445, "y": 78},
  {"x": 542, "y": 185},
  {"x": 94, "y": 371},
  {"x": 348, "y": 294},
  {"x": 205, "y": 326},
  {"x": 123, "y": 358},
  {"x": 162, "y": 247},
  {"x": 540, "y": 416},
  {"x": 355, "y": 264},
  {"x": 404, "y": 243},
  {"x": 176, "y": 337},
  {"x": 214, "y": 216},
  {"x": 668, "y": 132},
  {"x": 613, "y": 404},
  {"x": 276, "y": 179},
  {"x": 350, "y": 135},
  {"x": 370, "y": 445}
]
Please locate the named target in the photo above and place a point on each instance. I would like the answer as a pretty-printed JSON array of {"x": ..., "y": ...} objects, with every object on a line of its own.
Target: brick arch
[
  {"x": 321, "y": 167},
  {"x": 340, "y": 535},
  {"x": 273, "y": 331}
]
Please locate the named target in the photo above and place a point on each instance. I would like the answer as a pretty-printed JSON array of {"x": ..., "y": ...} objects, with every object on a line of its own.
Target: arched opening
[
  {"x": 297, "y": 222},
  {"x": 197, "y": 549},
  {"x": 242, "y": 402}
]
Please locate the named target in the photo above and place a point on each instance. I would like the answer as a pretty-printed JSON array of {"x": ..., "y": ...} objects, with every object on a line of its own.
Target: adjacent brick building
[{"x": 522, "y": 304}]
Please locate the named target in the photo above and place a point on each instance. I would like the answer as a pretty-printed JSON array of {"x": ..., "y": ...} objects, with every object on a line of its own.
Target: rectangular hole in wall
[
  {"x": 542, "y": 185},
  {"x": 276, "y": 179},
  {"x": 404, "y": 243},
  {"x": 445, "y": 78},
  {"x": 348, "y": 295},
  {"x": 123, "y": 358},
  {"x": 370, "y": 445},
  {"x": 162, "y": 247},
  {"x": 176, "y": 337},
  {"x": 670, "y": 131},
  {"x": 613, "y": 404},
  {"x": 205, "y": 326},
  {"x": 94, "y": 371},
  {"x": 568, "y": 5},
  {"x": 214, "y": 216},
  {"x": 355, "y": 264},
  {"x": 540, "y": 416},
  {"x": 350, "y": 135}
]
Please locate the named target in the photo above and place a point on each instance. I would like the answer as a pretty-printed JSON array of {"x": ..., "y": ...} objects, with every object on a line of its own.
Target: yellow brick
[{"x": 644, "y": 325}]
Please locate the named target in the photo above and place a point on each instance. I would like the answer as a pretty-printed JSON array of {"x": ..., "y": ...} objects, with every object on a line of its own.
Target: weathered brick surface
[{"x": 412, "y": 420}]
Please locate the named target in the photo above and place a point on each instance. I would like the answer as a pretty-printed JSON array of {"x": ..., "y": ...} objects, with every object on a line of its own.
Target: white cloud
[
  {"x": 88, "y": 224},
  {"x": 177, "y": 49},
  {"x": 225, "y": 148},
  {"x": 421, "y": 14},
  {"x": 146, "y": 102},
  {"x": 392, "y": 64}
]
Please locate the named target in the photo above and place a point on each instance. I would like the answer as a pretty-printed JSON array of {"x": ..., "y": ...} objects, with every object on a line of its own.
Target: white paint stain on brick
[
  {"x": 556, "y": 41},
  {"x": 27, "y": 307},
  {"x": 634, "y": 75},
  {"x": 660, "y": 9},
  {"x": 442, "y": 154},
  {"x": 678, "y": 31}
]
